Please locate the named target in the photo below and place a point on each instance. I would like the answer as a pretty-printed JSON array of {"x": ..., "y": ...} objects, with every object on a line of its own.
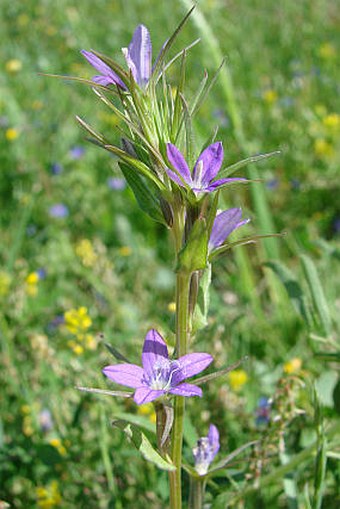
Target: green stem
[
  {"x": 196, "y": 493},
  {"x": 182, "y": 337}
]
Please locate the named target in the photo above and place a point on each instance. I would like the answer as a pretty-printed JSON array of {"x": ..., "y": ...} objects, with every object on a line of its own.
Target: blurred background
[{"x": 81, "y": 265}]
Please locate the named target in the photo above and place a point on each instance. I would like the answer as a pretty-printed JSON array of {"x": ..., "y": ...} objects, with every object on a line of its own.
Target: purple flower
[
  {"x": 205, "y": 170},
  {"x": 56, "y": 169},
  {"x": 41, "y": 273},
  {"x": 206, "y": 450},
  {"x": 116, "y": 183},
  {"x": 107, "y": 76},
  {"x": 138, "y": 58},
  {"x": 262, "y": 412},
  {"x": 225, "y": 223},
  {"x": 59, "y": 210},
  {"x": 45, "y": 420},
  {"x": 138, "y": 55},
  {"x": 77, "y": 152},
  {"x": 159, "y": 374}
]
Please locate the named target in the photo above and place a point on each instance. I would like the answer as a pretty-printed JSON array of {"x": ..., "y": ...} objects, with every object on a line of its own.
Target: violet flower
[
  {"x": 138, "y": 58},
  {"x": 205, "y": 170},
  {"x": 225, "y": 223},
  {"x": 107, "y": 76},
  {"x": 206, "y": 450},
  {"x": 159, "y": 375}
]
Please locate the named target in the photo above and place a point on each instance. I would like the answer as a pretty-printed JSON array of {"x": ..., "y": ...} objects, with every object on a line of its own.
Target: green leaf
[
  {"x": 317, "y": 293},
  {"x": 135, "y": 163},
  {"x": 84, "y": 81},
  {"x": 229, "y": 170},
  {"x": 143, "y": 445},
  {"x": 293, "y": 288},
  {"x": 159, "y": 66},
  {"x": 145, "y": 193},
  {"x": 246, "y": 240},
  {"x": 218, "y": 373},
  {"x": 204, "y": 90},
  {"x": 222, "y": 463},
  {"x": 194, "y": 254},
  {"x": 94, "y": 390},
  {"x": 200, "y": 318}
]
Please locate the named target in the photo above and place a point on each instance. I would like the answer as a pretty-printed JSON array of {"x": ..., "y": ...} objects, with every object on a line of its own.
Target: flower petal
[
  {"x": 139, "y": 54},
  {"x": 187, "y": 390},
  {"x": 214, "y": 440},
  {"x": 190, "y": 365},
  {"x": 154, "y": 350},
  {"x": 225, "y": 223},
  {"x": 125, "y": 374},
  {"x": 177, "y": 160},
  {"x": 110, "y": 76},
  {"x": 145, "y": 395},
  {"x": 208, "y": 164}
]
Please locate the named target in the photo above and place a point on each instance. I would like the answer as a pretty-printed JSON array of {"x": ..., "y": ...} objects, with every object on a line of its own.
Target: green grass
[{"x": 272, "y": 304}]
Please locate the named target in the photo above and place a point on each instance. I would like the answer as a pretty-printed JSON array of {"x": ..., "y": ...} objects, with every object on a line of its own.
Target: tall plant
[{"x": 177, "y": 184}]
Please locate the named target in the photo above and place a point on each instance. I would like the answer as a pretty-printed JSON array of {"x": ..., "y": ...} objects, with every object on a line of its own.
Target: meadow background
[{"x": 81, "y": 265}]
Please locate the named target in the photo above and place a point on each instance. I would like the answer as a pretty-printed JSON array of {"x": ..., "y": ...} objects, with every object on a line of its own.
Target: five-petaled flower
[
  {"x": 159, "y": 375},
  {"x": 224, "y": 224},
  {"x": 206, "y": 450},
  {"x": 138, "y": 58},
  {"x": 205, "y": 170}
]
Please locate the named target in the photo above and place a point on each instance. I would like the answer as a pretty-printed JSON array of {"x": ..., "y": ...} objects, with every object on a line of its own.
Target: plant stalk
[
  {"x": 196, "y": 493},
  {"x": 182, "y": 339}
]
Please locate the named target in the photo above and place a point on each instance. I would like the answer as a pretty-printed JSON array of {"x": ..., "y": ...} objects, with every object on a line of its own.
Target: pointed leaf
[
  {"x": 217, "y": 374},
  {"x": 123, "y": 394},
  {"x": 84, "y": 81},
  {"x": 159, "y": 64},
  {"x": 200, "y": 318},
  {"x": 293, "y": 288},
  {"x": 143, "y": 445},
  {"x": 229, "y": 170},
  {"x": 318, "y": 297},
  {"x": 222, "y": 464},
  {"x": 194, "y": 254},
  {"x": 246, "y": 240},
  {"x": 204, "y": 90},
  {"x": 135, "y": 163},
  {"x": 116, "y": 354},
  {"x": 145, "y": 193}
]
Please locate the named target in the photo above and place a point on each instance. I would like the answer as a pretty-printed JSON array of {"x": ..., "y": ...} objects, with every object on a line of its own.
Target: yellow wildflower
[
  {"x": 11, "y": 134},
  {"x": 270, "y": 96},
  {"x": 23, "y": 20},
  {"x": 237, "y": 379},
  {"x": 292, "y": 366},
  {"x": 31, "y": 287},
  {"x": 172, "y": 307},
  {"x": 57, "y": 444},
  {"x": 90, "y": 342},
  {"x": 85, "y": 251},
  {"x": 77, "y": 321},
  {"x": 48, "y": 497},
  {"x": 125, "y": 251},
  {"x": 14, "y": 65},
  {"x": 32, "y": 278},
  {"x": 5, "y": 282},
  {"x": 331, "y": 121},
  {"x": 323, "y": 148},
  {"x": 327, "y": 51}
]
